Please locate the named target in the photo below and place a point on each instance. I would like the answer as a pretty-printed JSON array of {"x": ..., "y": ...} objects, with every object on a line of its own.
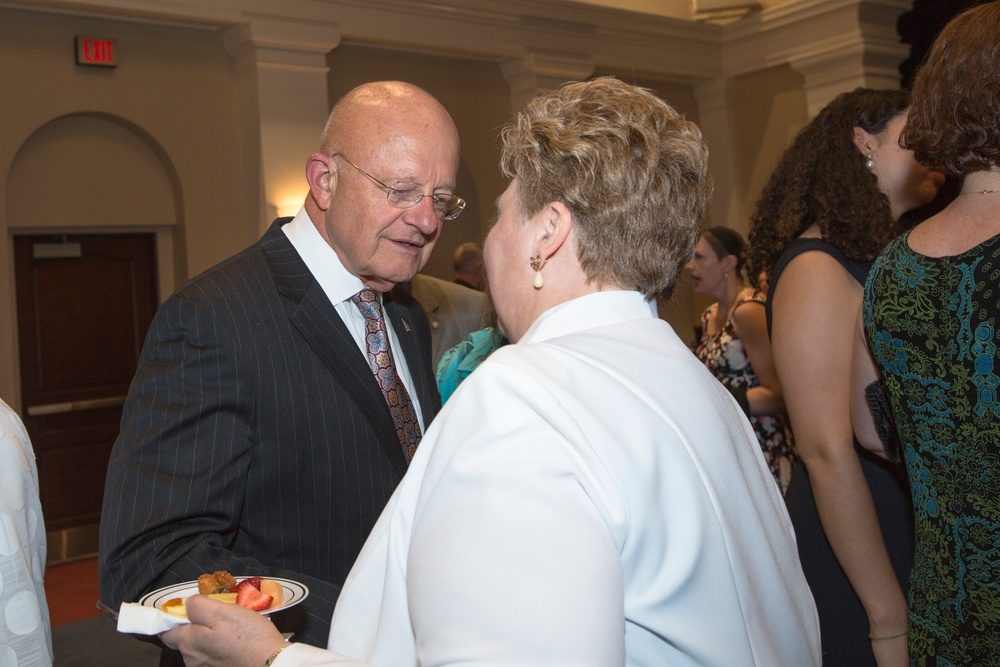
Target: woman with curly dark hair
[
  {"x": 931, "y": 314},
  {"x": 829, "y": 208}
]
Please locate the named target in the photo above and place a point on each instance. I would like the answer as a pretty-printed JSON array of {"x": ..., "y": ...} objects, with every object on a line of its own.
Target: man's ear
[
  {"x": 322, "y": 178},
  {"x": 865, "y": 141},
  {"x": 554, "y": 228}
]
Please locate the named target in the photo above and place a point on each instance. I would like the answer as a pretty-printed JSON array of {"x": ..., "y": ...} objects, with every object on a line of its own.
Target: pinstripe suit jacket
[{"x": 255, "y": 438}]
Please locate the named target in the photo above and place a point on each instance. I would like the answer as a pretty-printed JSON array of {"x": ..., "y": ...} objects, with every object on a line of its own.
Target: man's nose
[{"x": 423, "y": 216}]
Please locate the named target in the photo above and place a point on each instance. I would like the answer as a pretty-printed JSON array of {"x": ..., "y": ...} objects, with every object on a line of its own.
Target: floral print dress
[
  {"x": 932, "y": 327},
  {"x": 726, "y": 356}
]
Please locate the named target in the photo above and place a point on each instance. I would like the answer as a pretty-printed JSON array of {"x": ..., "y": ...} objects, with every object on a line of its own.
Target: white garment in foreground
[
  {"x": 25, "y": 635},
  {"x": 589, "y": 496}
]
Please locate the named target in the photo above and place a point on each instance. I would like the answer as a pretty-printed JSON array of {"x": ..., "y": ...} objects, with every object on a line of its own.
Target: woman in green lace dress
[{"x": 931, "y": 317}]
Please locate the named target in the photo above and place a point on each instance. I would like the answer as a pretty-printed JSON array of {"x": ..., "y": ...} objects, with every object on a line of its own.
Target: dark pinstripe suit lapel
[{"x": 321, "y": 326}]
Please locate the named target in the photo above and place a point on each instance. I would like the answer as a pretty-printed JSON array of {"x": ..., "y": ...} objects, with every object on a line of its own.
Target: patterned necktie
[{"x": 384, "y": 368}]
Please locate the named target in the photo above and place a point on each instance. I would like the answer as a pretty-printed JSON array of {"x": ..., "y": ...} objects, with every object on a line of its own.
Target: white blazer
[{"x": 589, "y": 496}]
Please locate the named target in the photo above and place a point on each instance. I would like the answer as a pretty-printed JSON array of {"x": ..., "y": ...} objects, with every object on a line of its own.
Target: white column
[
  {"x": 540, "y": 72},
  {"x": 868, "y": 56},
  {"x": 860, "y": 65},
  {"x": 282, "y": 78},
  {"x": 715, "y": 121}
]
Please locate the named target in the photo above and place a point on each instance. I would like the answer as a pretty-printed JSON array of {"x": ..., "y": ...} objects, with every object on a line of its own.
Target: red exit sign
[{"x": 96, "y": 51}]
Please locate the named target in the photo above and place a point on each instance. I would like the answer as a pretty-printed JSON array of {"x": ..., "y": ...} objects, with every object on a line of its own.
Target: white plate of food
[{"x": 293, "y": 593}]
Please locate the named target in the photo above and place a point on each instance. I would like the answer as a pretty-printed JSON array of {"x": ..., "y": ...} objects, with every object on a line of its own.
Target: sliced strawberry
[
  {"x": 253, "y": 582},
  {"x": 251, "y": 598}
]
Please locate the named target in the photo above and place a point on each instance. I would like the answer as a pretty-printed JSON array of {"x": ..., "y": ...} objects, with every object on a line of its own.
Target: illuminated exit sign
[{"x": 96, "y": 51}]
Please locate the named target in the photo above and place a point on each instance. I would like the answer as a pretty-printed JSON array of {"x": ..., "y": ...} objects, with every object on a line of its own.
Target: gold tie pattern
[{"x": 384, "y": 369}]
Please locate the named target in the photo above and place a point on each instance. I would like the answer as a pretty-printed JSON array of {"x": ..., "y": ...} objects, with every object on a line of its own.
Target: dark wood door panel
[
  {"x": 82, "y": 320},
  {"x": 84, "y": 304},
  {"x": 72, "y": 452}
]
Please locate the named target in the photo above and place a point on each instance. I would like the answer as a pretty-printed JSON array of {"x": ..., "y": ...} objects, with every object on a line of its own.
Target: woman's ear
[
  {"x": 555, "y": 224},
  {"x": 865, "y": 141},
  {"x": 729, "y": 263},
  {"x": 322, "y": 178}
]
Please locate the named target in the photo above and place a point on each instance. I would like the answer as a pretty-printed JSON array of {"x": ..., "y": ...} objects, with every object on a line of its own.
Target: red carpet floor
[{"x": 71, "y": 590}]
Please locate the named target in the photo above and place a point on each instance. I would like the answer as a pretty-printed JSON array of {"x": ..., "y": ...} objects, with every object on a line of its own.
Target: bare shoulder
[
  {"x": 811, "y": 275},
  {"x": 816, "y": 299},
  {"x": 748, "y": 311}
]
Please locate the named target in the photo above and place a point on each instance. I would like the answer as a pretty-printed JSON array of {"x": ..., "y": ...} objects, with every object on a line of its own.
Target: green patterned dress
[{"x": 932, "y": 327}]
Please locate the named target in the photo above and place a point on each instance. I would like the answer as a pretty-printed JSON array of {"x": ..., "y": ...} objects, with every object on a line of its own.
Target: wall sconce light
[{"x": 289, "y": 206}]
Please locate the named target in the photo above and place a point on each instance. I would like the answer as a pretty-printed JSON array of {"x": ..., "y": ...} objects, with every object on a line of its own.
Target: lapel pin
[{"x": 406, "y": 325}]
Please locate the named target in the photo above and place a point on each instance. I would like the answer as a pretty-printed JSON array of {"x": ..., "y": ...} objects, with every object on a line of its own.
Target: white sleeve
[
  {"x": 304, "y": 655},
  {"x": 510, "y": 560},
  {"x": 25, "y": 635}
]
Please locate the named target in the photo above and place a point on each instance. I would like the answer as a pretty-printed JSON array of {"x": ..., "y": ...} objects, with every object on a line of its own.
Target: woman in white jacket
[{"x": 590, "y": 495}]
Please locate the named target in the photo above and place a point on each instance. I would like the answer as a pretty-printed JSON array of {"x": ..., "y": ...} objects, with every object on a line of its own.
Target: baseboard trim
[{"x": 70, "y": 544}]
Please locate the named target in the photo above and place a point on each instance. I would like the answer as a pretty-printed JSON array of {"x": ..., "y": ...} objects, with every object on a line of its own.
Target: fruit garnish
[
  {"x": 274, "y": 589},
  {"x": 253, "y": 599},
  {"x": 249, "y": 581}
]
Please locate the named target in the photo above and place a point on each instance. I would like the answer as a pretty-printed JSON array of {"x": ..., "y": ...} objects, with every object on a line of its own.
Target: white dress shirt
[
  {"x": 340, "y": 285},
  {"x": 588, "y": 496}
]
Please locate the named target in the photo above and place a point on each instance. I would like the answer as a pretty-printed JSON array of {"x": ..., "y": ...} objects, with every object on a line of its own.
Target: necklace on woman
[{"x": 979, "y": 192}]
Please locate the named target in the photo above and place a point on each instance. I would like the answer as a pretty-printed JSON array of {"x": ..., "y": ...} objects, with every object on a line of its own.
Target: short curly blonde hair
[{"x": 633, "y": 172}]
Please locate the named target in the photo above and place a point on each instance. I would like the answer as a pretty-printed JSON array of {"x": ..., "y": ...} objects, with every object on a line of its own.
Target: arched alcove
[
  {"x": 87, "y": 170},
  {"x": 99, "y": 172}
]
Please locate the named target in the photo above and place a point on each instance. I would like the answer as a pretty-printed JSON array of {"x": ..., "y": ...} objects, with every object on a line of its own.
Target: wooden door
[{"x": 84, "y": 304}]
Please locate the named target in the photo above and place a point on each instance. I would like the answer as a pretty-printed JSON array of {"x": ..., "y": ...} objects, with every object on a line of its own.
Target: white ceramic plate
[{"x": 294, "y": 593}]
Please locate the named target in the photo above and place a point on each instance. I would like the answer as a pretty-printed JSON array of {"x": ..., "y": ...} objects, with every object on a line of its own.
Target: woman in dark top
[{"x": 828, "y": 209}]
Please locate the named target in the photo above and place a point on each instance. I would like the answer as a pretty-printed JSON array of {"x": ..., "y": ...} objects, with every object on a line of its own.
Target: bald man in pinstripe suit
[{"x": 256, "y": 438}]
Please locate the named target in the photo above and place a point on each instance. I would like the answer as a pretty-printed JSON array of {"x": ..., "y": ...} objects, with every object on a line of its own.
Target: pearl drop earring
[{"x": 536, "y": 264}]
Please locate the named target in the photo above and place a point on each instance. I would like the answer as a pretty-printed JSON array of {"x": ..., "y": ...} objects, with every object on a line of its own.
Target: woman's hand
[{"x": 223, "y": 634}]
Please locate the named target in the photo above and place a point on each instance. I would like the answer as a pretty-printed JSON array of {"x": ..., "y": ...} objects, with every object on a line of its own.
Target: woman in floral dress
[{"x": 735, "y": 345}]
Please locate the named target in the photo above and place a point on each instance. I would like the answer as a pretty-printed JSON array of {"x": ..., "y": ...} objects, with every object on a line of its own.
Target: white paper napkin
[{"x": 137, "y": 619}]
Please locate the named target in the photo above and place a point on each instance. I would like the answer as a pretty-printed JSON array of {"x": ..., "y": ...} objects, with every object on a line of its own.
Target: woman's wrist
[
  {"x": 273, "y": 652},
  {"x": 890, "y": 626}
]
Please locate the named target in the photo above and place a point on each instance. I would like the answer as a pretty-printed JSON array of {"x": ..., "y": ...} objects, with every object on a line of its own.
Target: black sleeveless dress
[{"x": 842, "y": 619}]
